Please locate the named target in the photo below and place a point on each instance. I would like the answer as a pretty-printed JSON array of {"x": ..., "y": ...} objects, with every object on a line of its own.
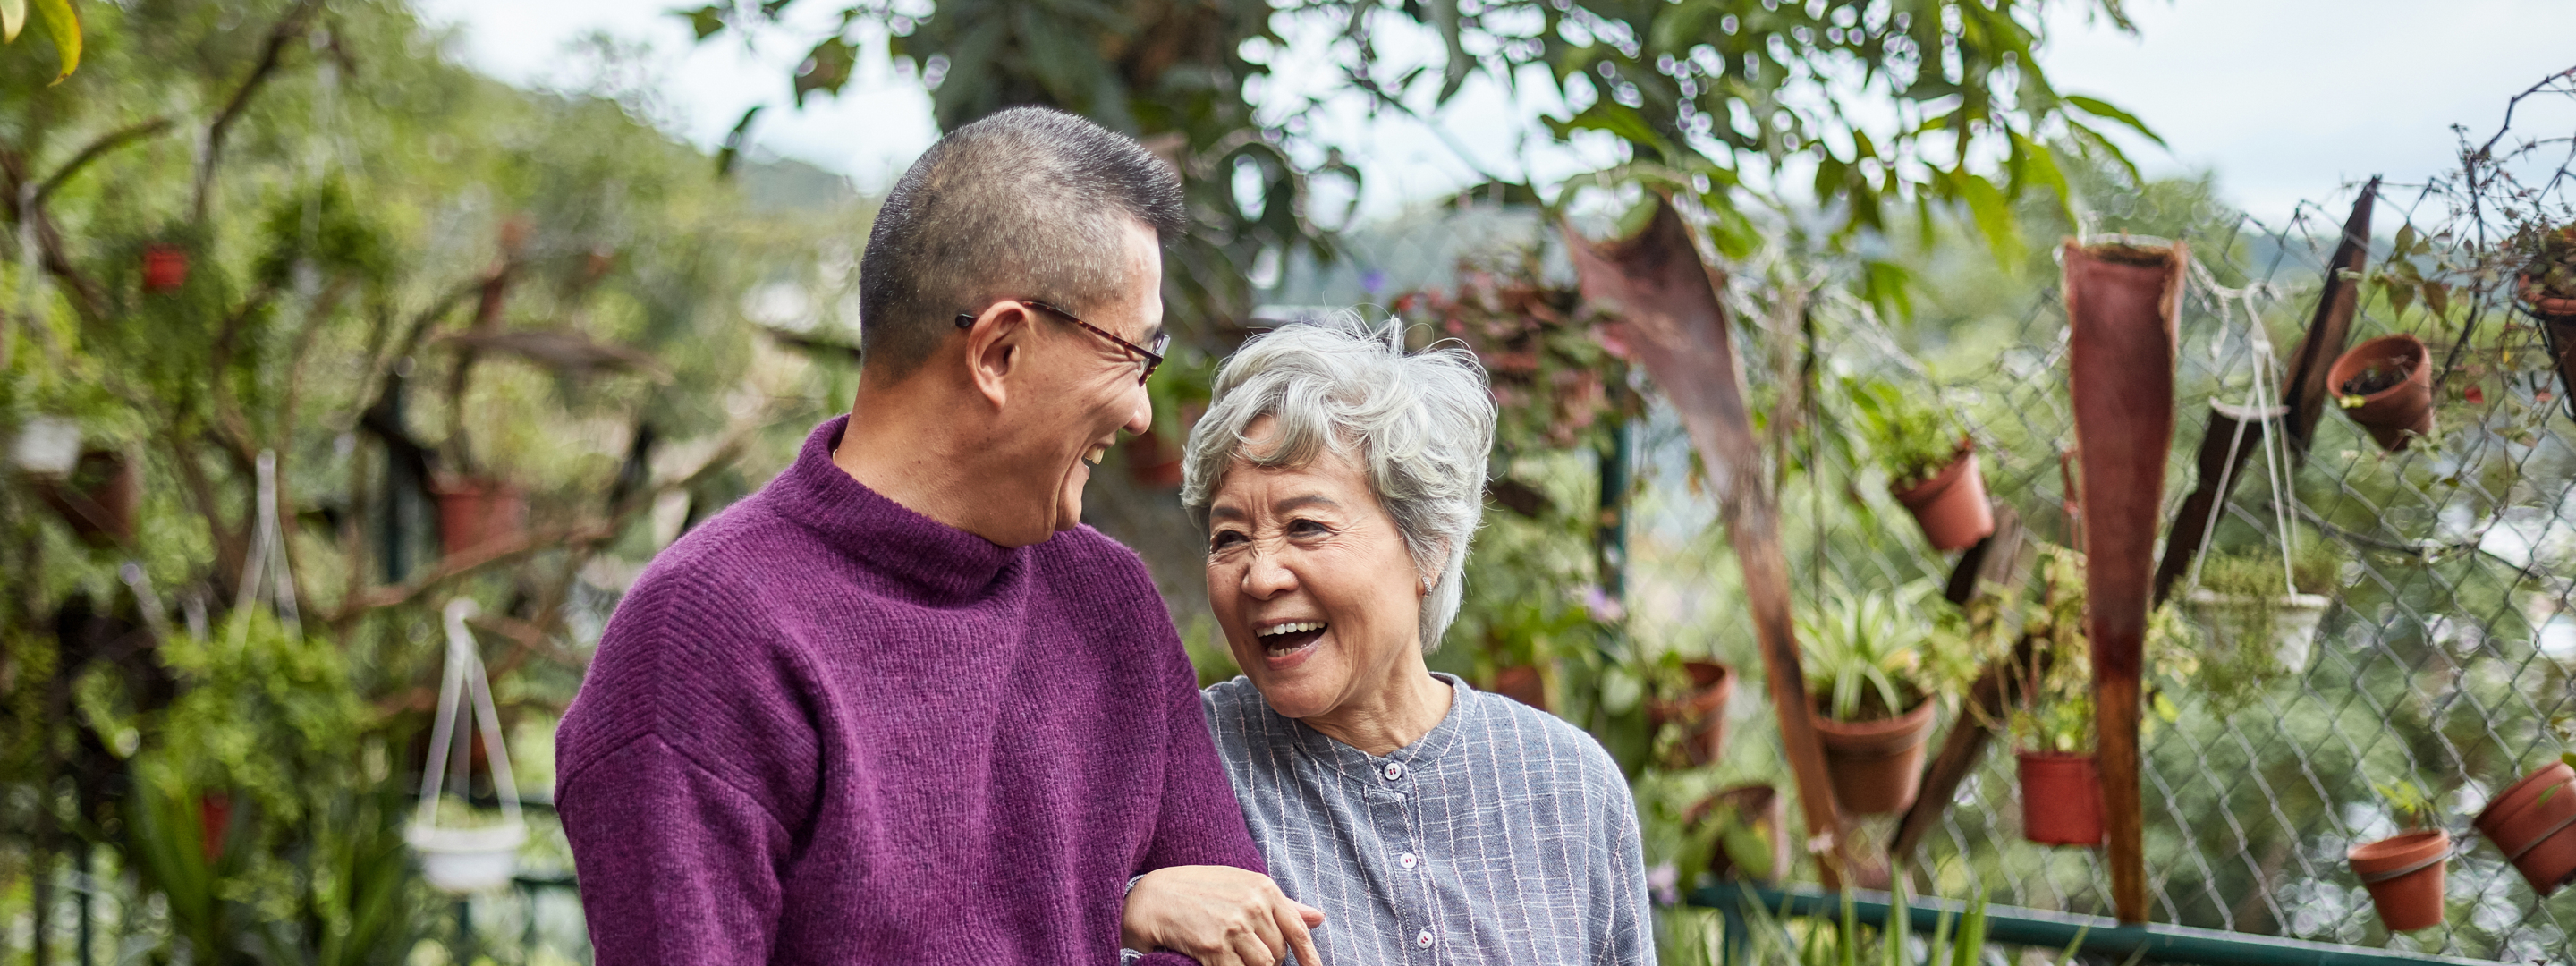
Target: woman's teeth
[{"x": 1289, "y": 637}]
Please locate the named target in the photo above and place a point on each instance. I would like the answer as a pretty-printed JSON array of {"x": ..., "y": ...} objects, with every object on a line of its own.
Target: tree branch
[
  {"x": 271, "y": 54},
  {"x": 96, "y": 149}
]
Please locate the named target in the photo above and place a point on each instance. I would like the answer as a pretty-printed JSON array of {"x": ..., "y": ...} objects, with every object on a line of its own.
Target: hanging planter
[
  {"x": 2061, "y": 798},
  {"x": 474, "y": 511},
  {"x": 2546, "y": 287},
  {"x": 2533, "y": 822},
  {"x": 1876, "y": 766},
  {"x": 2386, "y": 385},
  {"x": 2293, "y": 622},
  {"x": 453, "y": 859},
  {"x": 2404, "y": 876},
  {"x": 1701, "y": 713},
  {"x": 1951, "y": 505},
  {"x": 99, "y": 498},
  {"x": 165, "y": 267}
]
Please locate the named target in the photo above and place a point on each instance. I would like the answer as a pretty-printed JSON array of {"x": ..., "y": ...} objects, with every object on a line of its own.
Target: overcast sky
[{"x": 2283, "y": 99}]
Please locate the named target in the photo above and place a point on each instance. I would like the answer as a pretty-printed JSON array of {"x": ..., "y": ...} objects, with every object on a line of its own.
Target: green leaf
[
  {"x": 735, "y": 140},
  {"x": 705, "y": 20},
  {"x": 1994, "y": 217},
  {"x": 2102, "y": 109},
  {"x": 65, "y": 27},
  {"x": 13, "y": 16},
  {"x": 826, "y": 68}
]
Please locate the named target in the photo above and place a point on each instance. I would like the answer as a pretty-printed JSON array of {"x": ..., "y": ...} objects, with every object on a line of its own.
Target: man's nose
[{"x": 1141, "y": 420}]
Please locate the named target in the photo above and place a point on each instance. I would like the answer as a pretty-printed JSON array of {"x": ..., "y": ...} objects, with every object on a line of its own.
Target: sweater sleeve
[
  {"x": 676, "y": 865},
  {"x": 1200, "y": 822}
]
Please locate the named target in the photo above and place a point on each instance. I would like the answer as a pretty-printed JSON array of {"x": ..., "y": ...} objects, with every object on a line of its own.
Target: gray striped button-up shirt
[{"x": 1504, "y": 836}]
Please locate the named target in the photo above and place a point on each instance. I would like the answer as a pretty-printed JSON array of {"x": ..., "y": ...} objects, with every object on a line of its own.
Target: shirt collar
[{"x": 1424, "y": 752}]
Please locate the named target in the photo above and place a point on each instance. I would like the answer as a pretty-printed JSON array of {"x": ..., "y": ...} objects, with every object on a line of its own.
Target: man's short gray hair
[
  {"x": 1027, "y": 203},
  {"x": 1419, "y": 425}
]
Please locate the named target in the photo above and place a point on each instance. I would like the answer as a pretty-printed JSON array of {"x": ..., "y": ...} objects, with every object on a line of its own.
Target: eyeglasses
[{"x": 1150, "y": 358}]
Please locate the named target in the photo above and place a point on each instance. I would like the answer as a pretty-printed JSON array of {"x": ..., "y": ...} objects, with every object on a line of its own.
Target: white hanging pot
[
  {"x": 2295, "y": 618},
  {"x": 466, "y": 859}
]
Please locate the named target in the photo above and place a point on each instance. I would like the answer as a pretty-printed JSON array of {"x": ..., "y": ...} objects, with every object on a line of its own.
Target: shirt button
[
  {"x": 1423, "y": 939},
  {"x": 1409, "y": 860},
  {"x": 1394, "y": 770}
]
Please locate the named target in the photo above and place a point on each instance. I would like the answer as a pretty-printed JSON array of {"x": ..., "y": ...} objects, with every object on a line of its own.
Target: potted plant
[
  {"x": 1746, "y": 830},
  {"x": 2546, "y": 287},
  {"x": 477, "y": 510},
  {"x": 1699, "y": 713},
  {"x": 98, "y": 498},
  {"x": 1869, "y": 669},
  {"x": 2404, "y": 872},
  {"x": 2052, "y": 717},
  {"x": 1517, "y": 648},
  {"x": 1931, "y": 463},
  {"x": 2261, "y": 613},
  {"x": 2386, "y": 385},
  {"x": 462, "y": 850},
  {"x": 2533, "y": 822},
  {"x": 165, "y": 267}
]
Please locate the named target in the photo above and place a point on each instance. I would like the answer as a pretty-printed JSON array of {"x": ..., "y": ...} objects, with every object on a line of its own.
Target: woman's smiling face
[{"x": 1311, "y": 582}]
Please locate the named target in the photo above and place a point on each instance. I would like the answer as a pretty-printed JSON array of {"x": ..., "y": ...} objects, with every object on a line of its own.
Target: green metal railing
[{"x": 2092, "y": 935}]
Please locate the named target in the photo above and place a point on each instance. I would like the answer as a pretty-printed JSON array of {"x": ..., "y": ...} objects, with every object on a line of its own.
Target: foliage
[
  {"x": 2549, "y": 269},
  {"x": 385, "y": 258},
  {"x": 1555, "y": 378},
  {"x": 1958, "y": 938},
  {"x": 2413, "y": 807},
  {"x": 1871, "y": 653},
  {"x": 62, "y": 26},
  {"x": 1911, "y": 440}
]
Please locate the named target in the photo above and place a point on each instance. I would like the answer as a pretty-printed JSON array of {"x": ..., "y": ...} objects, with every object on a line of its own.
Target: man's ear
[{"x": 993, "y": 349}]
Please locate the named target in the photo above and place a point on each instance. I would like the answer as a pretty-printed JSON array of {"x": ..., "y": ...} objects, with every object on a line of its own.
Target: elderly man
[{"x": 899, "y": 706}]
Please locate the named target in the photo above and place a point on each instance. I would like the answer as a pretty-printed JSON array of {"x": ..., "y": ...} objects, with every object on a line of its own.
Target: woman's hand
[{"x": 1219, "y": 915}]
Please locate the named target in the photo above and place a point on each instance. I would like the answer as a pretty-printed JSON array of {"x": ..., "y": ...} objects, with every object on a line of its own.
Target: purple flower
[{"x": 1664, "y": 882}]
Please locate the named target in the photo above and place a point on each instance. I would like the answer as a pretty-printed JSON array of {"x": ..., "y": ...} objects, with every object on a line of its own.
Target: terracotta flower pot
[
  {"x": 1952, "y": 506},
  {"x": 1521, "y": 682},
  {"x": 2391, "y": 411},
  {"x": 2533, "y": 822},
  {"x": 1153, "y": 461},
  {"x": 1876, "y": 765},
  {"x": 2061, "y": 798},
  {"x": 2404, "y": 876},
  {"x": 1702, "y": 714},
  {"x": 1766, "y": 812},
  {"x": 100, "y": 497},
  {"x": 474, "y": 511},
  {"x": 165, "y": 267}
]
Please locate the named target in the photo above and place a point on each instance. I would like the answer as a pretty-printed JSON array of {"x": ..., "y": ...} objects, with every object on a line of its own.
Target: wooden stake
[
  {"x": 1663, "y": 302},
  {"x": 2121, "y": 306}
]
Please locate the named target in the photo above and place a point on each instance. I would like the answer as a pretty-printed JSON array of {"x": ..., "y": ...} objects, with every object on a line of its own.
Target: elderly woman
[{"x": 1340, "y": 480}]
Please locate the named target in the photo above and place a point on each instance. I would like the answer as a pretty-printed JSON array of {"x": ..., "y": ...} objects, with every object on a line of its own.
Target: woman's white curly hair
[{"x": 1419, "y": 424}]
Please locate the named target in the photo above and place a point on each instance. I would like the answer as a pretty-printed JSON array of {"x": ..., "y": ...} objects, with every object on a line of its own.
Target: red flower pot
[
  {"x": 165, "y": 267},
  {"x": 475, "y": 511},
  {"x": 214, "y": 819},
  {"x": 2404, "y": 876},
  {"x": 2391, "y": 411},
  {"x": 100, "y": 498},
  {"x": 1521, "y": 682},
  {"x": 1702, "y": 714},
  {"x": 1876, "y": 766},
  {"x": 1153, "y": 462},
  {"x": 2533, "y": 822},
  {"x": 1761, "y": 808},
  {"x": 2061, "y": 798},
  {"x": 1952, "y": 506}
]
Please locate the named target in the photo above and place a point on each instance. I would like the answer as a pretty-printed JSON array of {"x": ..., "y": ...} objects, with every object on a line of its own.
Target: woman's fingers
[
  {"x": 1248, "y": 948},
  {"x": 1294, "y": 919}
]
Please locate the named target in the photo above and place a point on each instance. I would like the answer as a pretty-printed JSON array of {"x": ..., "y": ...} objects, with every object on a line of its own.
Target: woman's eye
[
  {"x": 1224, "y": 540},
  {"x": 1305, "y": 528}
]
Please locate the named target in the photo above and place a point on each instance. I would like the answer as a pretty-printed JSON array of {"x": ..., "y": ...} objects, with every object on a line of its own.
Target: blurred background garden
[{"x": 360, "y": 352}]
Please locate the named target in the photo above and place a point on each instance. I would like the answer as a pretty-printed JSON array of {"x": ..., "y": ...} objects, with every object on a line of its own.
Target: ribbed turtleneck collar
[{"x": 939, "y": 564}]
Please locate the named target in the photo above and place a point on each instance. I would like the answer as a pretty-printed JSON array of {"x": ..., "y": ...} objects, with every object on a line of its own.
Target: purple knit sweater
[{"x": 826, "y": 729}]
